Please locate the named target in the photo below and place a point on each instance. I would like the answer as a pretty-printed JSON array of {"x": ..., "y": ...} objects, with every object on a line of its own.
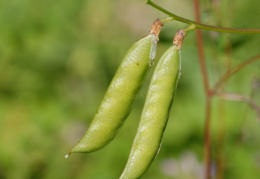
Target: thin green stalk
[
  {"x": 190, "y": 27},
  {"x": 203, "y": 26}
]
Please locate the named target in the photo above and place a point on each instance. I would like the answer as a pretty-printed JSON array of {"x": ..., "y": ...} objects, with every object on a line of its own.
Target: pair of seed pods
[{"x": 121, "y": 94}]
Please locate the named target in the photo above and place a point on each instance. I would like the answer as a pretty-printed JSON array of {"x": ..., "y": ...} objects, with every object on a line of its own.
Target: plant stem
[
  {"x": 203, "y": 26},
  {"x": 190, "y": 27},
  {"x": 232, "y": 71},
  {"x": 220, "y": 140},
  {"x": 200, "y": 52},
  {"x": 207, "y": 140},
  {"x": 207, "y": 136},
  {"x": 238, "y": 97}
]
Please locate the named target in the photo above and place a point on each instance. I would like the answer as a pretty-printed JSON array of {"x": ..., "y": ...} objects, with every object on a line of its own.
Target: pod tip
[
  {"x": 67, "y": 156},
  {"x": 178, "y": 39},
  {"x": 156, "y": 28}
]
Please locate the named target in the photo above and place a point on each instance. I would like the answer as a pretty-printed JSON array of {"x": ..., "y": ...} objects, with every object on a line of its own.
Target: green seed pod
[
  {"x": 121, "y": 94},
  {"x": 155, "y": 114}
]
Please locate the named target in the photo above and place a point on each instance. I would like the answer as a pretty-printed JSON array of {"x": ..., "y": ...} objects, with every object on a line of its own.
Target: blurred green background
[{"x": 58, "y": 57}]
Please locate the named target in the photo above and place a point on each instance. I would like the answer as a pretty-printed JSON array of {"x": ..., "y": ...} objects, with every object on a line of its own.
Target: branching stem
[
  {"x": 238, "y": 97},
  {"x": 210, "y": 92},
  {"x": 232, "y": 71},
  {"x": 203, "y": 26},
  {"x": 207, "y": 133}
]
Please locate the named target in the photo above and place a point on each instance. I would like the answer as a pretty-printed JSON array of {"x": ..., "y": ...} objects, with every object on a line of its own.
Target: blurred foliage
[{"x": 58, "y": 57}]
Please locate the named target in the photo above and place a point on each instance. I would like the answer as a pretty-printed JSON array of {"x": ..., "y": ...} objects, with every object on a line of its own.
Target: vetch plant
[{"x": 124, "y": 88}]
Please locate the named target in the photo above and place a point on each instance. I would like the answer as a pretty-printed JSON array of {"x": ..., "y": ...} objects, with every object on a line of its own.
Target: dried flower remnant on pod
[{"x": 178, "y": 39}]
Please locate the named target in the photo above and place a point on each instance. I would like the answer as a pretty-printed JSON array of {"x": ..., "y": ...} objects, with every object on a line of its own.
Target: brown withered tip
[
  {"x": 178, "y": 39},
  {"x": 156, "y": 28}
]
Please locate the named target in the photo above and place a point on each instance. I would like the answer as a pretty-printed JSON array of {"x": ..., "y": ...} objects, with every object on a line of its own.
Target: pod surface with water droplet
[
  {"x": 155, "y": 114},
  {"x": 120, "y": 96}
]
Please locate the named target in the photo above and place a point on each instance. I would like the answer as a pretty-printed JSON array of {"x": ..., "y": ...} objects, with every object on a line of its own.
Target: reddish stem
[
  {"x": 207, "y": 136},
  {"x": 232, "y": 71},
  {"x": 220, "y": 160},
  {"x": 200, "y": 52},
  {"x": 238, "y": 97},
  {"x": 207, "y": 140}
]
